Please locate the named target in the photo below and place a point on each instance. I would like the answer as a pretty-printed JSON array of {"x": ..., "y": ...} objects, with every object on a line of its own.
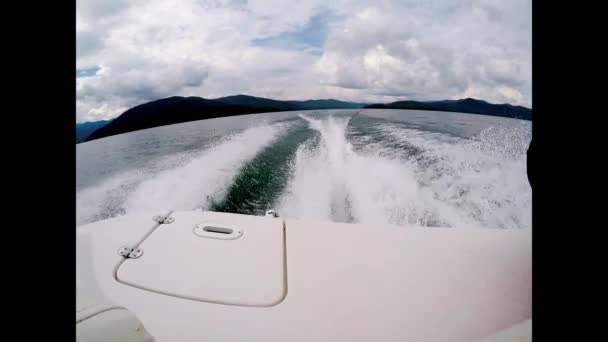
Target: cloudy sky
[{"x": 133, "y": 51}]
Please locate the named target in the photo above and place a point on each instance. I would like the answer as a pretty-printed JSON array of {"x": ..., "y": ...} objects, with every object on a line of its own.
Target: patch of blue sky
[
  {"x": 86, "y": 72},
  {"x": 310, "y": 38}
]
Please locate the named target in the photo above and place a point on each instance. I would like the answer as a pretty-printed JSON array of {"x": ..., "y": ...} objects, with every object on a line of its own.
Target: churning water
[{"x": 367, "y": 166}]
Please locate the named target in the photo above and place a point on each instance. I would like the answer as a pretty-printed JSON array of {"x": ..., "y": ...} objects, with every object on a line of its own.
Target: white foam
[
  {"x": 332, "y": 182},
  {"x": 484, "y": 179},
  {"x": 208, "y": 175},
  {"x": 452, "y": 182},
  {"x": 469, "y": 183},
  {"x": 105, "y": 199},
  {"x": 308, "y": 194},
  {"x": 185, "y": 185}
]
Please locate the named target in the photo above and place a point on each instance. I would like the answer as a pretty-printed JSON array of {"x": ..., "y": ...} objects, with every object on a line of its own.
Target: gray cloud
[
  {"x": 473, "y": 50},
  {"x": 97, "y": 9},
  {"x": 373, "y": 51},
  {"x": 87, "y": 42}
]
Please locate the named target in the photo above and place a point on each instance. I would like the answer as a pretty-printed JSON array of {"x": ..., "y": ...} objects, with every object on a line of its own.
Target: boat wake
[
  {"x": 189, "y": 185},
  {"x": 409, "y": 177},
  {"x": 336, "y": 168}
]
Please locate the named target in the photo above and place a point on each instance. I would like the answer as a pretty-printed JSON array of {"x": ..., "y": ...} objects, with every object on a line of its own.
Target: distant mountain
[
  {"x": 178, "y": 109},
  {"x": 246, "y": 100},
  {"x": 467, "y": 105},
  {"x": 252, "y": 101},
  {"x": 326, "y": 104},
  {"x": 173, "y": 110},
  {"x": 83, "y": 130}
]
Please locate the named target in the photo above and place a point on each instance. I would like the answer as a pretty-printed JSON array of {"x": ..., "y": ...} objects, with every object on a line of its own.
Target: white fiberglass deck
[{"x": 290, "y": 280}]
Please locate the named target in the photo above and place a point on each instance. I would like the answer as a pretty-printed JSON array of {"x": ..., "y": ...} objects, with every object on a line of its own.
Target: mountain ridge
[
  {"x": 178, "y": 109},
  {"x": 467, "y": 105},
  {"x": 84, "y": 129}
]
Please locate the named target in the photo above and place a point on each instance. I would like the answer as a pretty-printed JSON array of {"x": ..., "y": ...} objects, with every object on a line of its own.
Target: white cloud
[
  {"x": 385, "y": 51},
  {"x": 433, "y": 51},
  {"x": 509, "y": 94}
]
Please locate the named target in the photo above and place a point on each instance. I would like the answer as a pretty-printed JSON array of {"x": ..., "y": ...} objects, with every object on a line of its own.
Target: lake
[{"x": 403, "y": 167}]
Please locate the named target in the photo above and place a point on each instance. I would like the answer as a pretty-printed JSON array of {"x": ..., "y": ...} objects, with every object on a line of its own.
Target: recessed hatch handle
[{"x": 217, "y": 231}]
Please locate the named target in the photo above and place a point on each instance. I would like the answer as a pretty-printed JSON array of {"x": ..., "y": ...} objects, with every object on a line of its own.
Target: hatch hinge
[
  {"x": 130, "y": 252},
  {"x": 163, "y": 219}
]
